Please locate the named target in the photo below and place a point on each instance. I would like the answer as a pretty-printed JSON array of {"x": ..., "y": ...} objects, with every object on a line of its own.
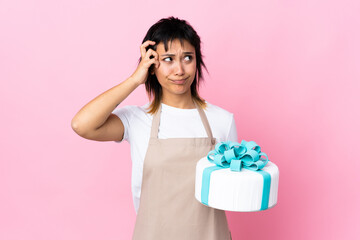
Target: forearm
[{"x": 95, "y": 113}]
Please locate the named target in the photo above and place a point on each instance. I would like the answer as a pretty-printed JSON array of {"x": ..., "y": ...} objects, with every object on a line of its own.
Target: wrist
[{"x": 134, "y": 81}]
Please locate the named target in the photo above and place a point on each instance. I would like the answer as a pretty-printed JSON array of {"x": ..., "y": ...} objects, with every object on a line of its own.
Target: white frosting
[{"x": 236, "y": 191}]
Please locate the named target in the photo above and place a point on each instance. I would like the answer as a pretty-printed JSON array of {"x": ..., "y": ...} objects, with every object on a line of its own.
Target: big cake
[{"x": 237, "y": 177}]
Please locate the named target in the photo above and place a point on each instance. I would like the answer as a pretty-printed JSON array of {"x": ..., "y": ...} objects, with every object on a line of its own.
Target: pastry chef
[{"x": 167, "y": 135}]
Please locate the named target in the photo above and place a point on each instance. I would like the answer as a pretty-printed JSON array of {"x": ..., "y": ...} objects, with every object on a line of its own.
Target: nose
[{"x": 179, "y": 68}]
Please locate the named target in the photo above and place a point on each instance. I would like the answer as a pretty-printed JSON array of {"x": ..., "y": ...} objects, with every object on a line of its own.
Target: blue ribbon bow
[
  {"x": 246, "y": 155},
  {"x": 235, "y": 156}
]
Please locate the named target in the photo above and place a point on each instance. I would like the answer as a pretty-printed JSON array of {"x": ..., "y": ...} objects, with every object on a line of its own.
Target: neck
[{"x": 179, "y": 101}]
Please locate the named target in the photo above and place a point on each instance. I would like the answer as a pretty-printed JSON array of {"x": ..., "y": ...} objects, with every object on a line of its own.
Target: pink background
[{"x": 288, "y": 70}]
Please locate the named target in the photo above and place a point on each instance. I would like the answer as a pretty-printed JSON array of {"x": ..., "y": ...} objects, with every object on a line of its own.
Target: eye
[{"x": 190, "y": 57}]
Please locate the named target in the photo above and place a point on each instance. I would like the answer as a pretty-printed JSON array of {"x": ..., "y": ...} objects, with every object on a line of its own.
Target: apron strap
[
  {"x": 156, "y": 123},
  {"x": 205, "y": 121}
]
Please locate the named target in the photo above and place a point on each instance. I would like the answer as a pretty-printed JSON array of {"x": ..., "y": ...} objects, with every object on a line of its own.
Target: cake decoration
[{"x": 237, "y": 160}]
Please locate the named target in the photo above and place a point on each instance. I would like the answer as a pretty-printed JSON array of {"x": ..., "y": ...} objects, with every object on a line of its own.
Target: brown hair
[{"x": 165, "y": 30}]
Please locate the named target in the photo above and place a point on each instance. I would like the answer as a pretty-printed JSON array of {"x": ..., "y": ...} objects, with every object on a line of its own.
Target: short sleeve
[
  {"x": 124, "y": 113},
  {"x": 232, "y": 135}
]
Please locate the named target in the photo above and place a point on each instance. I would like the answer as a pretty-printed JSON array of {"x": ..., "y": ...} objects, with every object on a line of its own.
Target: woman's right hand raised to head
[
  {"x": 141, "y": 73},
  {"x": 95, "y": 120}
]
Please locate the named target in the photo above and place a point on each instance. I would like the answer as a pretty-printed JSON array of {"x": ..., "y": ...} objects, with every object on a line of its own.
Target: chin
[{"x": 181, "y": 92}]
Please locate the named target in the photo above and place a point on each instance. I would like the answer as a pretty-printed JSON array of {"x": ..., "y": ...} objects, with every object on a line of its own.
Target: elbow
[
  {"x": 80, "y": 129},
  {"x": 75, "y": 125}
]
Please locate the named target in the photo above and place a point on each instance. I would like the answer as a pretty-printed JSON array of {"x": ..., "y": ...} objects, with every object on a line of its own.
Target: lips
[{"x": 180, "y": 81}]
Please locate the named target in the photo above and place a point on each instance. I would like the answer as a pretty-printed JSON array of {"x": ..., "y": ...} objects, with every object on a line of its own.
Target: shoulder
[
  {"x": 132, "y": 110},
  {"x": 221, "y": 121},
  {"x": 212, "y": 109},
  {"x": 133, "y": 115},
  {"x": 218, "y": 116}
]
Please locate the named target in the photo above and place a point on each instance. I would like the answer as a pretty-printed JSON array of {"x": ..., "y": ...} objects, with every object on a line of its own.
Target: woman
[{"x": 168, "y": 135}]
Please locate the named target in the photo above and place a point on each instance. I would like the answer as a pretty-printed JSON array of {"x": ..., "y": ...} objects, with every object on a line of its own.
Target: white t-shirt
[{"x": 174, "y": 123}]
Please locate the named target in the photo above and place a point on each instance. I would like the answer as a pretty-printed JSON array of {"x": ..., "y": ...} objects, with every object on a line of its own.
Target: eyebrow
[{"x": 169, "y": 54}]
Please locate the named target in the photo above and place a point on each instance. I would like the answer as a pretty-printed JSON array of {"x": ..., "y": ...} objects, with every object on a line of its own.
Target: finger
[
  {"x": 157, "y": 64},
  {"x": 151, "y": 61},
  {"x": 151, "y": 52},
  {"x": 143, "y": 47},
  {"x": 156, "y": 56}
]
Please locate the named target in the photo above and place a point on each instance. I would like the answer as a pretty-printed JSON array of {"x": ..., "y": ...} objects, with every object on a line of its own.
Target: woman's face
[{"x": 177, "y": 68}]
